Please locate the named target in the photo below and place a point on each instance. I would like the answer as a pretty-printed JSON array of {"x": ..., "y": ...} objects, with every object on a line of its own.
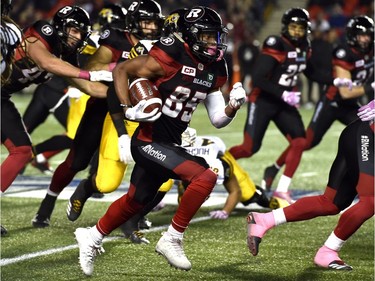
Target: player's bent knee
[
  {"x": 329, "y": 207},
  {"x": 368, "y": 206},
  {"x": 107, "y": 185},
  {"x": 207, "y": 179},
  {"x": 23, "y": 154},
  {"x": 299, "y": 143}
]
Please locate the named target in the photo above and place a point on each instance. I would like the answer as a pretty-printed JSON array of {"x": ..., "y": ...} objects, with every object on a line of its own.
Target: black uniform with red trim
[
  {"x": 155, "y": 146},
  {"x": 118, "y": 42},
  {"x": 352, "y": 172},
  {"x": 27, "y": 72},
  {"x": 331, "y": 106},
  {"x": 88, "y": 136},
  {"x": 288, "y": 63},
  {"x": 275, "y": 71}
]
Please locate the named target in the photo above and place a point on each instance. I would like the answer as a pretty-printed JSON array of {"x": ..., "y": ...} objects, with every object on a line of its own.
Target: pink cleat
[
  {"x": 327, "y": 258},
  {"x": 284, "y": 195},
  {"x": 255, "y": 231}
]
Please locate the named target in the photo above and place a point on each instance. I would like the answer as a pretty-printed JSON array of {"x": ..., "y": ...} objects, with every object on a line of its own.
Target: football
[{"x": 144, "y": 89}]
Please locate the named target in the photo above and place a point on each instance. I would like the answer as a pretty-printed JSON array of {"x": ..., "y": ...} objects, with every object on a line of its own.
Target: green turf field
[{"x": 217, "y": 249}]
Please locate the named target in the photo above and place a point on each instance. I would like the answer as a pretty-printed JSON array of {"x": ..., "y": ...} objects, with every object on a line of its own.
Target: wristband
[
  {"x": 84, "y": 74},
  {"x": 112, "y": 65}
]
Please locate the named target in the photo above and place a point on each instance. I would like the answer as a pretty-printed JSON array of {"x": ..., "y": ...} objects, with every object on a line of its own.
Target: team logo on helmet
[
  {"x": 65, "y": 11},
  {"x": 194, "y": 14}
]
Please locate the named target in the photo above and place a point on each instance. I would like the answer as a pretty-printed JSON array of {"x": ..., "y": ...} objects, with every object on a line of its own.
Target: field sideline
[{"x": 217, "y": 249}]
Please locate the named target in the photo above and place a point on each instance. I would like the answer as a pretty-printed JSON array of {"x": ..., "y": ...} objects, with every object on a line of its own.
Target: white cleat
[
  {"x": 171, "y": 248},
  {"x": 87, "y": 250}
]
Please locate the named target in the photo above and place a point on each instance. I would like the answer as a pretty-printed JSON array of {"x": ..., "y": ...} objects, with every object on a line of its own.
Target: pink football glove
[
  {"x": 218, "y": 214},
  {"x": 343, "y": 82},
  {"x": 291, "y": 98},
  {"x": 367, "y": 112}
]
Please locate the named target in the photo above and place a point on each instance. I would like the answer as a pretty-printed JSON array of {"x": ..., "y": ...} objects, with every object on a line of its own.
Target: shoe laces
[
  {"x": 76, "y": 205},
  {"x": 177, "y": 246},
  {"x": 92, "y": 252},
  {"x": 138, "y": 237}
]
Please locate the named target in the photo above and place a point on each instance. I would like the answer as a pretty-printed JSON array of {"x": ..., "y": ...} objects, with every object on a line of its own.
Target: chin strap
[{"x": 221, "y": 55}]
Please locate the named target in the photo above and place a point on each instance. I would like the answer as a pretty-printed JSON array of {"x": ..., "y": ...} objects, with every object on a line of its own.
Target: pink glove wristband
[
  {"x": 112, "y": 65},
  {"x": 84, "y": 74}
]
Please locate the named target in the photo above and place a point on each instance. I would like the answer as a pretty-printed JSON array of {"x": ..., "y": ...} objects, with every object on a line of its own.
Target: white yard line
[{"x": 8, "y": 261}]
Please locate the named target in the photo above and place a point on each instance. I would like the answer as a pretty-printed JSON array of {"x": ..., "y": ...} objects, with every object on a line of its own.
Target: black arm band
[
  {"x": 119, "y": 125},
  {"x": 113, "y": 101}
]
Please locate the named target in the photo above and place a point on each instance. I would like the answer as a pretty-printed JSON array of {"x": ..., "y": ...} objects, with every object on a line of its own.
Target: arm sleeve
[
  {"x": 115, "y": 110},
  {"x": 263, "y": 69},
  {"x": 215, "y": 106}
]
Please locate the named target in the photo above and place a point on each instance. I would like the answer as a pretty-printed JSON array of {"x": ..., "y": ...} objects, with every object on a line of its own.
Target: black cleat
[
  {"x": 76, "y": 202},
  {"x": 340, "y": 265},
  {"x": 138, "y": 237},
  {"x": 40, "y": 221},
  {"x": 268, "y": 177},
  {"x": 97, "y": 195},
  {"x": 144, "y": 223},
  {"x": 4, "y": 231},
  {"x": 42, "y": 167},
  {"x": 253, "y": 244}
]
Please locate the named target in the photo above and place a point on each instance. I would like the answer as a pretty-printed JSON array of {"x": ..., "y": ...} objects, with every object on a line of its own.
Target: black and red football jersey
[
  {"x": 26, "y": 72},
  {"x": 186, "y": 84},
  {"x": 360, "y": 66},
  {"x": 119, "y": 42},
  {"x": 291, "y": 61}
]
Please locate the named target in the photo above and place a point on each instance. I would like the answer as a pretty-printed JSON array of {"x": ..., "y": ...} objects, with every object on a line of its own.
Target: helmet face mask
[
  {"x": 205, "y": 34},
  {"x": 357, "y": 29},
  {"x": 293, "y": 21},
  {"x": 68, "y": 18},
  {"x": 145, "y": 20}
]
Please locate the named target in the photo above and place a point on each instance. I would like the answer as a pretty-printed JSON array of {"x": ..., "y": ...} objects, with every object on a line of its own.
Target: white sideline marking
[{"x": 29, "y": 256}]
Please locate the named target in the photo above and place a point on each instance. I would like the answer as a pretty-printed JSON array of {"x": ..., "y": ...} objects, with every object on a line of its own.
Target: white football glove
[
  {"x": 136, "y": 113},
  {"x": 291, "y": 98},
  {"x": 367, "y": 112},
  {"x": 74, "y": 93},
  {"x": 101, "y": 75},
  {"x": 219, "y": 215},
  {"x": 124, "y": 149},
  {"x": 237, "y": 96},
  {"x": 343, "y": 82}
]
